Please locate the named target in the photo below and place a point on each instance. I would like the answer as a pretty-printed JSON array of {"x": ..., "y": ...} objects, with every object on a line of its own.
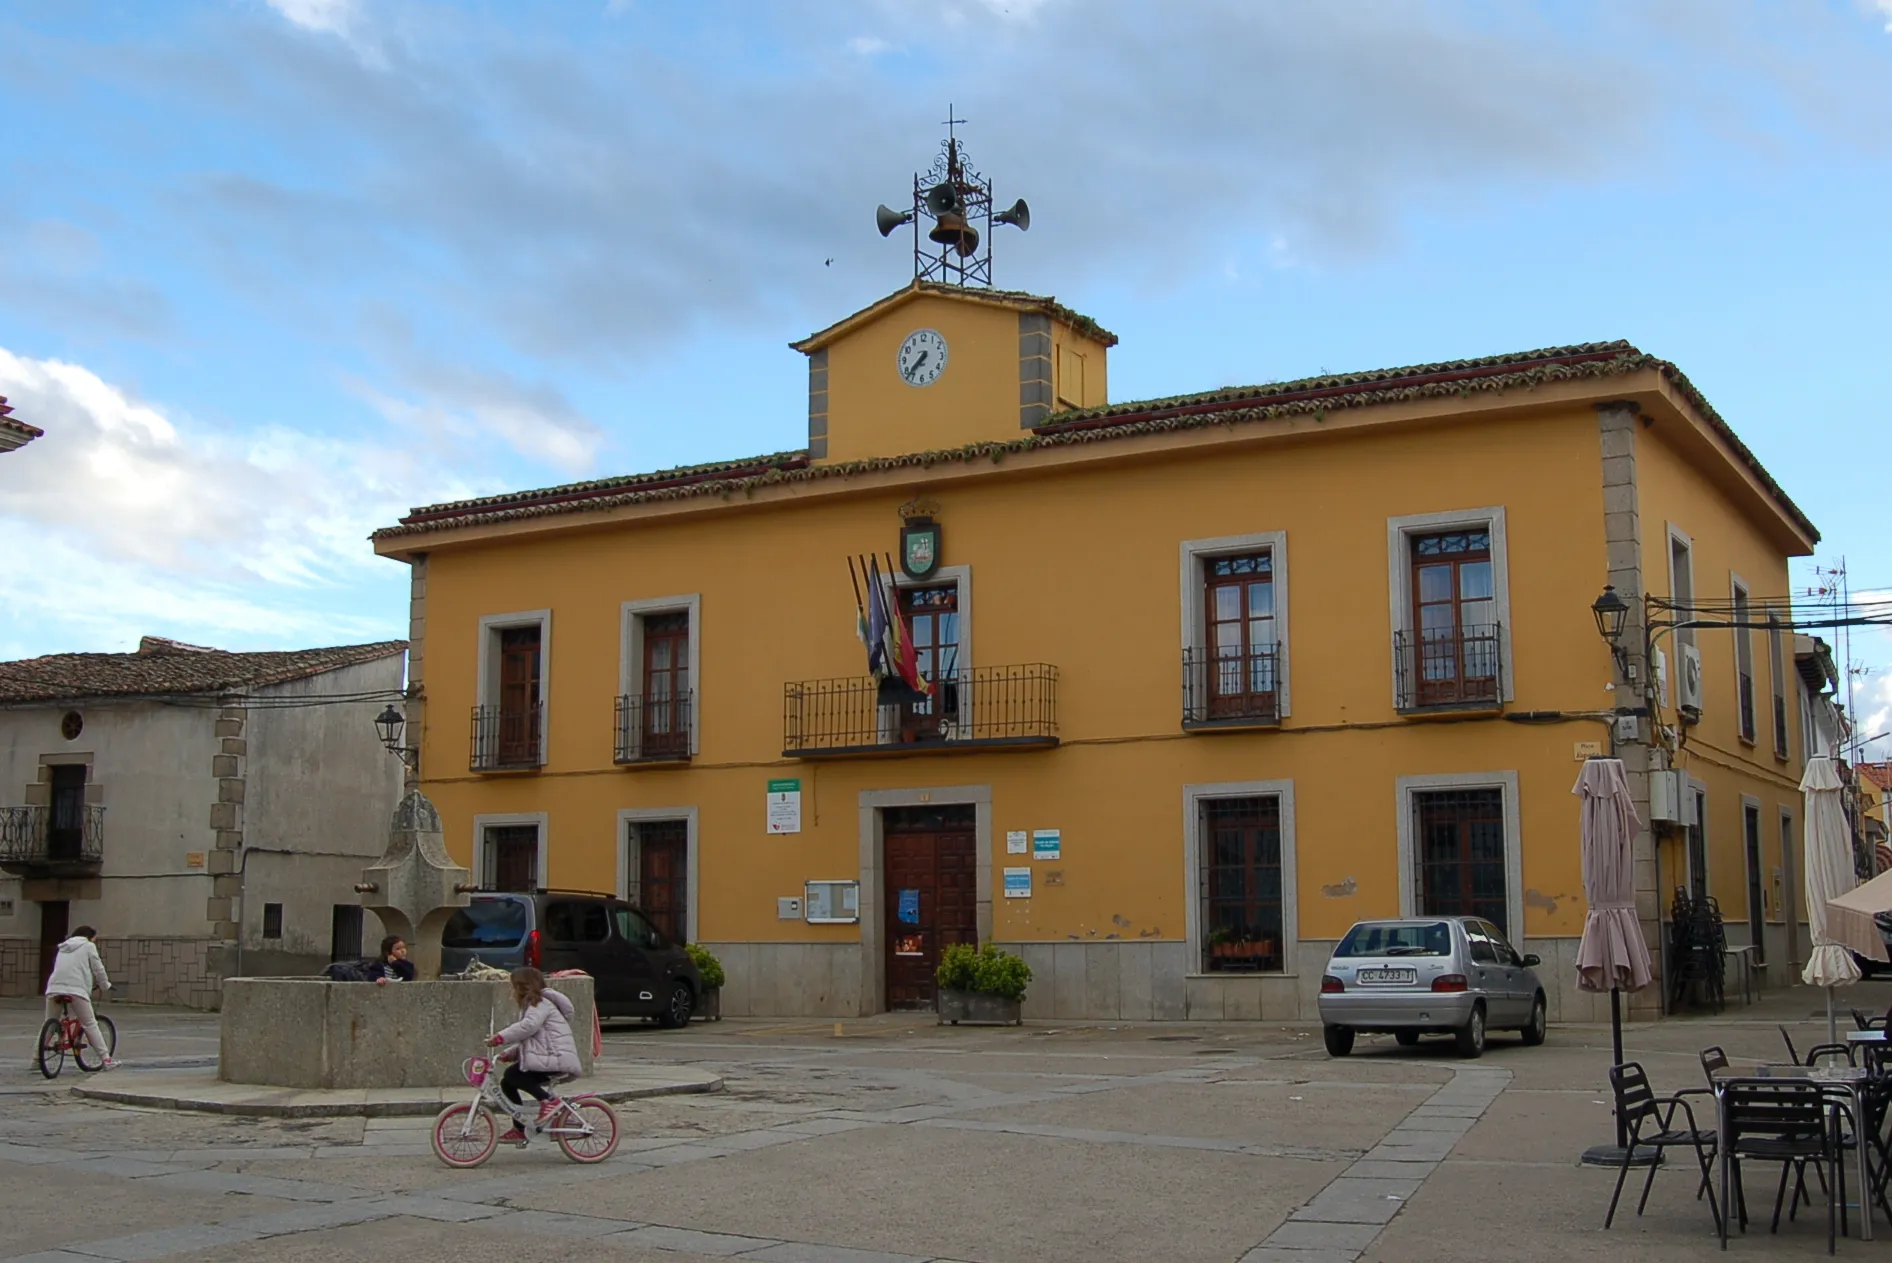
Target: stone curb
[{"x": 205, "y": 1099}]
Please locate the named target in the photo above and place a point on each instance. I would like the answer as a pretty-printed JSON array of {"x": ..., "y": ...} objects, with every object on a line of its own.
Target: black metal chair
[
  {"x": 1650, "y": 1120},
  {"x": 1793, "y": 1055},
  {"x": 1792, "y": 1123},
  {"x": 1843, "y": 1051},
  {"x": 1713, "y": 1060}
]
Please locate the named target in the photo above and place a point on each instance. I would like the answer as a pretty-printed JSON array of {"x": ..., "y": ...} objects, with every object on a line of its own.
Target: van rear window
[
  {"x": 1434, "y": 939},
  {"x": 486, "y": 923}
]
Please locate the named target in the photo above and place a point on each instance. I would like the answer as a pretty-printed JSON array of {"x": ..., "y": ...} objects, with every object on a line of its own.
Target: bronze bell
[{"x": 951, "y": 229}]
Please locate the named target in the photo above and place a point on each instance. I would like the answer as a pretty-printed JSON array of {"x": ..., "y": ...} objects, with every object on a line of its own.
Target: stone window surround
[
  {"x": 39, "y": 793},
  {"x": 961, "y": 579},
  {"x": 1738, "y": 587},
  {"x": 1194, "y": 552},
  {"x": 1672, "y": 536},
  {"x": 490, "y": 627},
  {"x": 483, "y": 863},
  {"x": 1405, "y": 787},
  {"x": 627, "y": 866},
  {"x": 1193, "y": 798},
  {"x": 871, "y": 802},
  {"x": 631, "y": 650},
  {"x": 1399, "y": 533}
]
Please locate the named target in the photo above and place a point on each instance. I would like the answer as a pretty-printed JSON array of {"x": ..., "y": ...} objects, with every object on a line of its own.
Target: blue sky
[{"x": 272, "y": 271}]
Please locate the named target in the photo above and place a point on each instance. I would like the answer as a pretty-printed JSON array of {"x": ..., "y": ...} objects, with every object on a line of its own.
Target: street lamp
[
  {"x": 388, "y": 725},
  {"x": 1612, "y": 615}
]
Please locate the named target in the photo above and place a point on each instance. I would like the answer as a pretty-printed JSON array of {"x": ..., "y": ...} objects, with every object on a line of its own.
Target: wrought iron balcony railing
[
  {"x": 508, "y": 739},
  {"x": 983, "y": 708},
  {"x": 1231, "y": 690},
  {"x": 50, "y": 842},
  {"x": 1450, "y": 670},
  {"x": 653, "y": 729}
]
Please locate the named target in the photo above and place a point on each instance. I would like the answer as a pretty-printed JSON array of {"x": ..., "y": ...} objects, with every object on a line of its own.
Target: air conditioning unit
[
  {"x": 1665, "y": 796},
  {"x": 1688, "y": 688}
]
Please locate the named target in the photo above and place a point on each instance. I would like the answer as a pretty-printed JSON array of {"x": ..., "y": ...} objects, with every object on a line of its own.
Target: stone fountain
[{"x": 313, "y": 1033}]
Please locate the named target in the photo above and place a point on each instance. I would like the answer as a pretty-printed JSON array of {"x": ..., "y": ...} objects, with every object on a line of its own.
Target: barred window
[
  {"x": 1242, "y": 885},
  {"x": 1461, "y": 859}
]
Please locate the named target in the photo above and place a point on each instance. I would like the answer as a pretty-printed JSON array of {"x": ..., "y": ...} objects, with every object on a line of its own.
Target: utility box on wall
[{"x": 1666, "y": 794}]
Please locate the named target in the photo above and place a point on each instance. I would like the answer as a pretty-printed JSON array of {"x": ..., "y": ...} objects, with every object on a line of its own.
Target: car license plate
[{"x": 1387, "y": 977}]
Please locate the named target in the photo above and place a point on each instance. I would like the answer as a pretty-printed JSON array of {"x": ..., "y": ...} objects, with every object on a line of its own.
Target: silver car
[{"x": 1416, "y": 976}]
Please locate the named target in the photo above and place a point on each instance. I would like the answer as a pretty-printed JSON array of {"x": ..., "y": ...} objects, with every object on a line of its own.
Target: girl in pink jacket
[{"x": 541, "y": 1047}]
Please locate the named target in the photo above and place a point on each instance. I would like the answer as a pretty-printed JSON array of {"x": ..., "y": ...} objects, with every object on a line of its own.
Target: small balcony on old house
[
  {"x": 57, "y": 841},
  {"x": 1231, "y": 689},
  {"x": 653, "y": 730},
  {"x": 985, "y": 708},
  {"x": 508, "y": 739},
  {"x": 1449, "y": 669}
]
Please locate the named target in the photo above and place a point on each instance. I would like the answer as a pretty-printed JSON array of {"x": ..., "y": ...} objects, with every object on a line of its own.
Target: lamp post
[{"x": 388, "y": 725}]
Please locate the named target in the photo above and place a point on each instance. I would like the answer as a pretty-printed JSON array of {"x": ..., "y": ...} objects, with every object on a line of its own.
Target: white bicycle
[{"x": 585, "y": 1127}]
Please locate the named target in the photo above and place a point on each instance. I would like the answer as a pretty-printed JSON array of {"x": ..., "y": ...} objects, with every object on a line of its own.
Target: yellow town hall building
[{"x": 1214, "y": 676}]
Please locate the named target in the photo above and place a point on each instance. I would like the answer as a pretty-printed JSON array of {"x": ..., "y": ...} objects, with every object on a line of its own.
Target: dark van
[{"x": 637, "y": 972}]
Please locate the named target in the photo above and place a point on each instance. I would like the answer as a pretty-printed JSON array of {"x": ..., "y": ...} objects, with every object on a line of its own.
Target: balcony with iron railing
[
  {"x": 653, "y": 729},
  {"x": 52, "y": 841},
  {"x": 508, "y": 739},
  {"x": 1452, "y": 670},
  {"x": 985, "y": 708},
  {"x": 1223, "y": 689}
]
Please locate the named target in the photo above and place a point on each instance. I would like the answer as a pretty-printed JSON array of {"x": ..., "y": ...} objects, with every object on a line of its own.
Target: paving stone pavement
[{"x": 893, "y": 1141}]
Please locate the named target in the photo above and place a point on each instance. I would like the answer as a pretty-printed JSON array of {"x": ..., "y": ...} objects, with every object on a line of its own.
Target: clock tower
[{"x": 949, "y": 362}]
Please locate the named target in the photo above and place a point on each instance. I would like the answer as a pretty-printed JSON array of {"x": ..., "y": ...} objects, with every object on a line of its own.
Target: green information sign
[
  {"x": 784, "y": 812},
  {"x": 785, "y": 787}
]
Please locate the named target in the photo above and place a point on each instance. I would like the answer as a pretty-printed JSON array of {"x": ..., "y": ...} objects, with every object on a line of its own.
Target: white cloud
[
  {"x": 331, "y": 17},
  {"x": 237, "y": 537},
  {"x": 1884, "y": 9},
  {"x": 867, "y": 45}
]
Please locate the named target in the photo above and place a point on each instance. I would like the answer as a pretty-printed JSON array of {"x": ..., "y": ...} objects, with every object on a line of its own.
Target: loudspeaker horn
[
  {"x": 888, "y": 220},
  {"x": 943, "y": 200},
  {"x": 1020, "y": 214}
]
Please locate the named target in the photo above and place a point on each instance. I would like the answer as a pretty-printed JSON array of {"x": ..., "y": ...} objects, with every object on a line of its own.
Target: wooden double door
[{"x": 931, "y": 895}]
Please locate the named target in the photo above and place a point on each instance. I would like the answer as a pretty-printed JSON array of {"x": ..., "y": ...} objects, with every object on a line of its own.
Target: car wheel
[
  {"x": 1471, "y": 1036},
  {"x": 1534, "y": 1033},
  {"x": 1339, "y": 1040},
  {"x": 678, "y": 1008},
  {"x": 1405, "y": 1039}
]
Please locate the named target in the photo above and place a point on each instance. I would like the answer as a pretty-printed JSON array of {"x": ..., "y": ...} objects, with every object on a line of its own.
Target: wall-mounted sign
[
  {"x": 193, "y": 859},
  {"x": 907, "y": 907},
  {"x": 1017, "y": 842},
  {"x": 909, "y": 944},
  {"x": 1047, "y": 844},
  {"x": 784, "y": 812},
  {"x": 832, "y": 902},
  {"x": 1018, "y": 883},
  {"x": 1588, "y": 750},
  {"x": 920, "y": 548}
]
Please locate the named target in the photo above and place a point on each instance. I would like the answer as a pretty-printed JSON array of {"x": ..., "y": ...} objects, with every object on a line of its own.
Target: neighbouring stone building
[{"x": 208, "y": 812}]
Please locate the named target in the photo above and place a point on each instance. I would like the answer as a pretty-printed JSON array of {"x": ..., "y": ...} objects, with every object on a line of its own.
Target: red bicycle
[{"x": 64, "y": 1035}]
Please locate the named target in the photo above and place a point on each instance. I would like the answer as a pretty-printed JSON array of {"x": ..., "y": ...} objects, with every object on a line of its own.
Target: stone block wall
[
  {"x": 19, "y": 966},
  {"x": 178, "y": 971}
]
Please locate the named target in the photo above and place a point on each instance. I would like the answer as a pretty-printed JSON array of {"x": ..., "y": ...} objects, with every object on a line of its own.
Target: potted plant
[
  {"x": 982, "y": 986},
  {"x": 709, "y": 1005}
]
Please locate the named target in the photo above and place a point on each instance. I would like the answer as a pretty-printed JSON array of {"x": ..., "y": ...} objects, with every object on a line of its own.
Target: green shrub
[
  {"x": 707, "y": 965},
  {"x": 987, "y": 970}
]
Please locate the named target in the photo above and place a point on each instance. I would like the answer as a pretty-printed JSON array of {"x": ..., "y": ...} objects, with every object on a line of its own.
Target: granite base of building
[
  {"x": 177, "y": 971},
  {"x": 1107, "y": 981}
]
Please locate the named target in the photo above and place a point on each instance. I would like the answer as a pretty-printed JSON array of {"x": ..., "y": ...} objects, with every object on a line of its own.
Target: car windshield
[
  {"x": 486, "y": 923},
  {"x": 1434, "y": 939}
]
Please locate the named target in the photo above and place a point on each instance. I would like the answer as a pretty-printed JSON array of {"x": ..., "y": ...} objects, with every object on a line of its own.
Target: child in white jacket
[
  {"x": 541, "y": 1046},
  {"x": 77, "y": 969}
]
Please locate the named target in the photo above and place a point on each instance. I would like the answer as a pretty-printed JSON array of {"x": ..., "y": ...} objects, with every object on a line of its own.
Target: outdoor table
[
  {"x": 1745, "y": 954},
  {"x": 1865, "y": 1037},
  {"x": 1846, "y": 1079}
]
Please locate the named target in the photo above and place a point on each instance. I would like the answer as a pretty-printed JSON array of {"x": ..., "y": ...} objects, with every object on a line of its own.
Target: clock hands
[{"x": 916, "y": 364}]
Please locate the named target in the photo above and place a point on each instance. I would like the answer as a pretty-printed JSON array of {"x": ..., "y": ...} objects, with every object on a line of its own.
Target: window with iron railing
[
  {"x": 507, "y": 739},
  {"x": 654, "y": 729},
  {"x": 1231, "y": 676},
  {"x": 1451, "y": 655},
  {"x": 981, "y": 707}
]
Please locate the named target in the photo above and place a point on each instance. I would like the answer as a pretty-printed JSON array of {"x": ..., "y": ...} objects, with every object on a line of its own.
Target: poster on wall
[
  {"x": 1047, "y": 844},
  {"x": 907, "y": 907},
  {"x": 784, "y": 811},
  {"x": 1016, "y": 842},
  {"x": 1018, "y": 883}
]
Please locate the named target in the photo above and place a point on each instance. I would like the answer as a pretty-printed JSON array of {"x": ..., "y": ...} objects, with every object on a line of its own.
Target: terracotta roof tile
[
  {"x": 1315, "y": 396},
  {"x": 162, "y": 667},
  {"x": 1002, "y": 297},
  {"x": 16, "y": 427}
]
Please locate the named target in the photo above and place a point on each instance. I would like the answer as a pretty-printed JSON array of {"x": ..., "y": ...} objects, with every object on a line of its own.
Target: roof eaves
[{"x": 1017, "y": 299}]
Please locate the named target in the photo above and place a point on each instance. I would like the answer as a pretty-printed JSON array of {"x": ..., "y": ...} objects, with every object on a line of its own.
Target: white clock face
[{"x": 922, "y": 357}]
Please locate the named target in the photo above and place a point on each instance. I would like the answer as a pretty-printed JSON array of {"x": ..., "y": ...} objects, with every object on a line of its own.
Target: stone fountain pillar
[{"x": 415, "y": 887}]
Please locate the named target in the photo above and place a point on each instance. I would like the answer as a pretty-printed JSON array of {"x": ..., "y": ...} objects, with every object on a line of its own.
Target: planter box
[
  {"x": 709, "y": 1005},
  {"x": 977, "y": 1009}
]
